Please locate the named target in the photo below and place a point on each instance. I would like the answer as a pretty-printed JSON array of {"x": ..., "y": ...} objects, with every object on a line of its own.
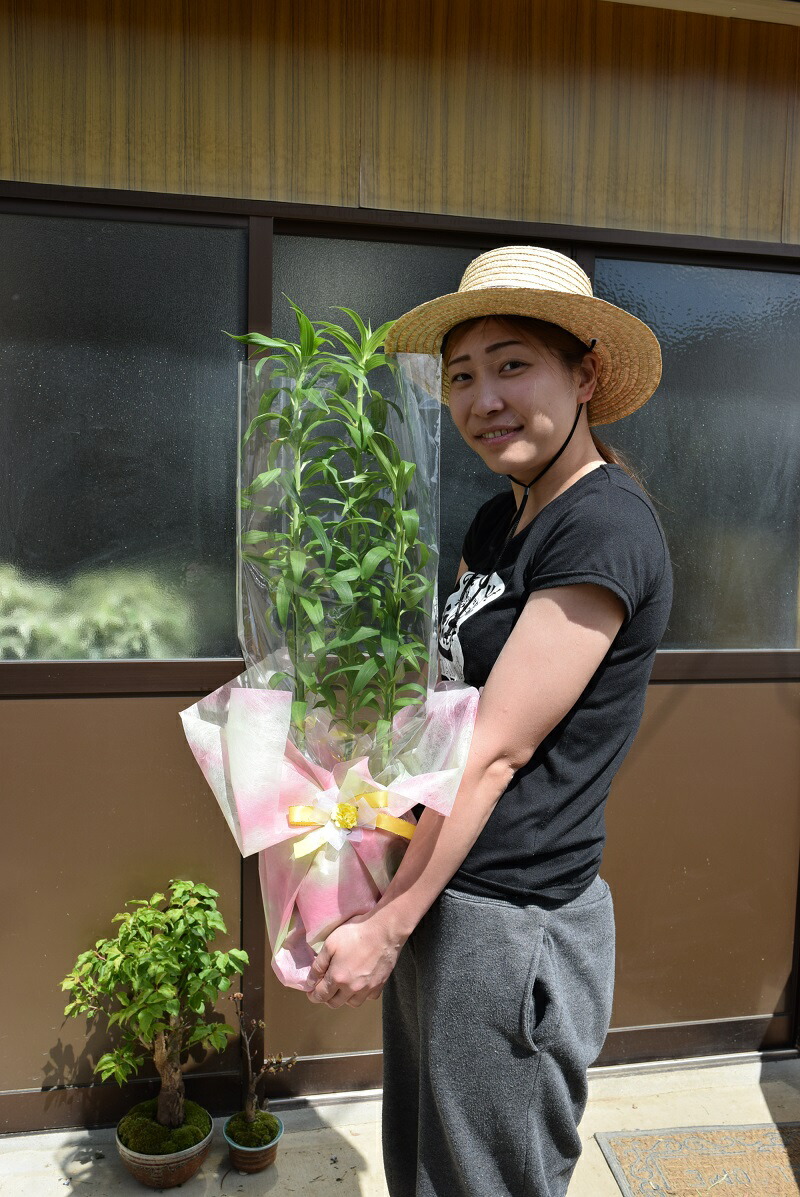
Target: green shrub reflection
[{"x": 99, "y": 614}]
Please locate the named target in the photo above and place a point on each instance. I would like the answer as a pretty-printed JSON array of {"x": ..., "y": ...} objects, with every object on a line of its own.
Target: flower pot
[
  {"x": 253, "y": 1159},
  {"x": 165, "y": 1171}
]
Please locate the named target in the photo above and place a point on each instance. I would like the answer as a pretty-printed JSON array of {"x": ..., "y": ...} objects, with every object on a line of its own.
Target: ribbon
[{"x": 344, "y": 820}]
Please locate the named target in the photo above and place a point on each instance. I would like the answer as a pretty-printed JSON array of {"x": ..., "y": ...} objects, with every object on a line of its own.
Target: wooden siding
[
  {"x": 567, "y": 111},
  {"x": 605, "y": 115},
  {"x": 238, "y": 99}
]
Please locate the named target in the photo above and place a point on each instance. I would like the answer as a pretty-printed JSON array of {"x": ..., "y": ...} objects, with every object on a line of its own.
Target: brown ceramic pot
[
  {"x": 253, "y": 1159},
  {"x": 165, "y": 1171}
]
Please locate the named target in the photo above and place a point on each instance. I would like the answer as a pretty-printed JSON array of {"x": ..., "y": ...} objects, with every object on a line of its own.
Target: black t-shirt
[{"x": 544, "y": 838}]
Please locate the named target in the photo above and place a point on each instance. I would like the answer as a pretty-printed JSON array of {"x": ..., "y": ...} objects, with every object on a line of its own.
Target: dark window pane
[
  {"x": 719, "y": 444},
  {"x": 382, "y": 280},
  {"x": 118, "y": 419}
]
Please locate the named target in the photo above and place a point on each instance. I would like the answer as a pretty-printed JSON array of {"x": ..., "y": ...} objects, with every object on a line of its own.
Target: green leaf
[
  {"x": 313, "y": 609},
  {"x": 313, "y": 396},
  {"x": 256, "y": 423},
  {"x": 261, "y": 481},
  {"x": 389, "y": 645},
  {"x": 410, "y": 525},
  {"x": 297, "y": 563},
  {"x": 254, "y": 537},
  {"x": 343, "y": 588},
  {"x": 308, "y": 338},
  {"x": 282, "y": 602},
  {"x": 359, "y": 323},
  {"x": 261, "y": 341},
  {"x": 365, "y": 675},
  {"x": 298, "y": 716},
  {"x": 377, "y": 412},
  {"x": 372, "y": 560},
  {"x": 316, "y": 526},
  {"x": 356, "y": 636}
]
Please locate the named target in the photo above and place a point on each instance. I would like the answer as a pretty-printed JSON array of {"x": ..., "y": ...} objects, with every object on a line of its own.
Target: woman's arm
[{"x": 548, "y": 660}]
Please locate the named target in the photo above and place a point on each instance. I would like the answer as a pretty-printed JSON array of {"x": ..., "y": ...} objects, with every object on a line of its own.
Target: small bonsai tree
[
  {"x": 156, "y": 981},
  {"x": 254, "y": 1125}
]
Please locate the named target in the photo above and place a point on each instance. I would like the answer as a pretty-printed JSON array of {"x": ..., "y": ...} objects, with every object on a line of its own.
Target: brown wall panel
[
  {"x": 703, "y": 851},
  {"x": 102, "y": 802},
  {"x": 294, "y": 1024},
  {"x": 579, "y": 112},
  {"x": 238, "y": 99}
]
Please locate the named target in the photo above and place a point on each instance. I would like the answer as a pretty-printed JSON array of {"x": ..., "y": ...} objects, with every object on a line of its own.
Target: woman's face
[{"x": 511, "y": 398}]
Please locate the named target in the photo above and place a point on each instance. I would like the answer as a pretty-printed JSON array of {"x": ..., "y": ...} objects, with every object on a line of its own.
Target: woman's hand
[{"x": 355, "y": 961}]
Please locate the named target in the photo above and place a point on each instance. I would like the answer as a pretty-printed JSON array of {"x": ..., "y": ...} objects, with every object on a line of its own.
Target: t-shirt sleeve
[{"x": 612, "y": 541}]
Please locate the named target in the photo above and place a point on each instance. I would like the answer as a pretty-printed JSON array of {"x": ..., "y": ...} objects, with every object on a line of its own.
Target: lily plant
[{"x": 329, "y": 527}]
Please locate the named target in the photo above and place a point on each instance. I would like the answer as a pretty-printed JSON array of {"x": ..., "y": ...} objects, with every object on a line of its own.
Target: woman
[{"x": 495, "y": 940}]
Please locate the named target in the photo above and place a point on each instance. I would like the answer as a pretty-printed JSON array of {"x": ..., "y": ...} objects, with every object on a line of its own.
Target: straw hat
[{"x": 524, "y": 280}]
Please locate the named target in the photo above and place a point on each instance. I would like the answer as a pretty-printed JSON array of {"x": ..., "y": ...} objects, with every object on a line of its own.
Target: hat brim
[{"x": 629, "y": 356}]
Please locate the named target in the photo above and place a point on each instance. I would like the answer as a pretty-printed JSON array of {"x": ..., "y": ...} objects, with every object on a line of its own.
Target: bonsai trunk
[
  {"x": 250, "y": 1106},
  {"x": 250, "y": 1101},
  {"x": 171, "y": 1095}
]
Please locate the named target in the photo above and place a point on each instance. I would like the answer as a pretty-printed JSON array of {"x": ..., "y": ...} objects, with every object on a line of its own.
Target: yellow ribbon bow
[{"x": 345, "y": 816}]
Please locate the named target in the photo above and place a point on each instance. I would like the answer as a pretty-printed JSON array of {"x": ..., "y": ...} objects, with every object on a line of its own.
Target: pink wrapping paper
[{"x": 240, "y": 739}]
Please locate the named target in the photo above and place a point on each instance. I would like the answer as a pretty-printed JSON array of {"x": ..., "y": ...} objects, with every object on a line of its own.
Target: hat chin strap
[{"x": 527, "y": 485}]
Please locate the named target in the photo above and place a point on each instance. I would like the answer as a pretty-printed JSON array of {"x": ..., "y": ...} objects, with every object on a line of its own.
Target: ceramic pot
[
  {"x": 165, "y": 1171},
  {"x": 253, "y": 1159}
]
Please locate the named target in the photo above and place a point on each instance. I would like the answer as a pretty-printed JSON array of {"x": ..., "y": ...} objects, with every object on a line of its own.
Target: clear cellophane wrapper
[{"x": 318, "y": 752}]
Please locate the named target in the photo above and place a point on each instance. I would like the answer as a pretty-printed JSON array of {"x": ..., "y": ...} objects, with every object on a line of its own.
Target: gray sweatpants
[{"x": 491, "y": 1017}]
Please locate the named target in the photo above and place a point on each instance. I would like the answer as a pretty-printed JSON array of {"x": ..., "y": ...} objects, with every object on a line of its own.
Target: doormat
[{"x": 723, "y": 1161}]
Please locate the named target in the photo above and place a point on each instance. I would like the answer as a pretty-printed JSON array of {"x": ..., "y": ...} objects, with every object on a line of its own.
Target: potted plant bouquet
[
  {"x": 319, "y": 752},
  {"x": 157, "y": 981},
  {"x": 253, "y": 1133}
]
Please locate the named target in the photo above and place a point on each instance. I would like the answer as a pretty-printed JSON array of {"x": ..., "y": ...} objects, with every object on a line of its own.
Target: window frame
[{"x": 263, "y": 219}]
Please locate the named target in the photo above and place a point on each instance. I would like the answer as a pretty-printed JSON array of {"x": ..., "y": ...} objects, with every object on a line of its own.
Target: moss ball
[
  {"x": 140, "y": 1131},
  {"x": 253, "y": 1134}
]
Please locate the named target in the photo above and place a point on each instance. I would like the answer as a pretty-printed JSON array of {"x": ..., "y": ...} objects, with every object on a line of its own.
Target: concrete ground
[{"x": 332, "y": 1149}]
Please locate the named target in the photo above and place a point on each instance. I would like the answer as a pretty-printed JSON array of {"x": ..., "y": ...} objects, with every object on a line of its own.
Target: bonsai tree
[
  {"x": 254, "y": 1125},
  {"x": 157, "y": 981}
]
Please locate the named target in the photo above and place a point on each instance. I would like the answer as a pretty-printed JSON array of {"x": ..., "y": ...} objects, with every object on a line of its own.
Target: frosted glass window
[
  {"x": 118, "y": 424},
  {"x": 719, "y": 444},
  {"x": 381, "y": 280}
]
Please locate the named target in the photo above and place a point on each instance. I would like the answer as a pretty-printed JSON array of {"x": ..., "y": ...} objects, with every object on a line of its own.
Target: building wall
[{"x": 569, "y": 111}]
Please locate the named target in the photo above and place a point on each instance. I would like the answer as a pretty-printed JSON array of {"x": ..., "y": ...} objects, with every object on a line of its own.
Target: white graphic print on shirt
[{"x": 474, "y": 592}]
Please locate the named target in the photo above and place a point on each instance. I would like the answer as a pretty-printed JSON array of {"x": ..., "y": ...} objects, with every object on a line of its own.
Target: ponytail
[{"x": 614, "y": 457}]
